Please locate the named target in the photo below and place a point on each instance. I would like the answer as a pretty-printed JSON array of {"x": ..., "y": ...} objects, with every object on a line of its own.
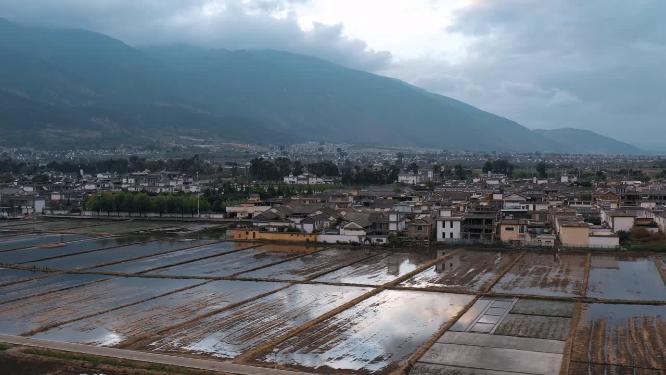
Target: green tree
[{"x": 542, "y": 170}]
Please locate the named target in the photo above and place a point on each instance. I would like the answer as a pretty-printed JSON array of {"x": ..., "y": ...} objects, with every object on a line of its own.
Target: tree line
[{"x": 141, "y": 203}]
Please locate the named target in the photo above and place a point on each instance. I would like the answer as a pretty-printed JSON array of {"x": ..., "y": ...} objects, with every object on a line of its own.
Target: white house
[
  {"x": 397, "y": 222},
  {"x": 448, "y": 227},
  {"x": 408, "y": 178}
]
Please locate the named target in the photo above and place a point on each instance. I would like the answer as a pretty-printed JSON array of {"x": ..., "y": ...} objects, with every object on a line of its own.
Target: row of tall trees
[
  {"x": 191, "y": 165},
  {"x": 499, "y": 166},
  {"x": 179, "y": 203}
]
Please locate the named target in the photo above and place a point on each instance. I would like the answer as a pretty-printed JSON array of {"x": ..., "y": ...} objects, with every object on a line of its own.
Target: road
[{"x": 202, "y": 364}]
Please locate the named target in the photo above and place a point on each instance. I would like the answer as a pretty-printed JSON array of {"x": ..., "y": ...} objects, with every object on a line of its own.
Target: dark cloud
[
  {"x": 593, "y": 64},
  {"x": 233, "y": 24}
]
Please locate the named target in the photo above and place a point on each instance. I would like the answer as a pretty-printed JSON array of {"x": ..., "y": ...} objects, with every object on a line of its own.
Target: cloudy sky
[{"x": 593, "y": 64}]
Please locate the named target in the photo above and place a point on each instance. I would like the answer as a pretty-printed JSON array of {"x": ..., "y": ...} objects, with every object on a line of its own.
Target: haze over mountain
[{"x": 61, "y": 88}]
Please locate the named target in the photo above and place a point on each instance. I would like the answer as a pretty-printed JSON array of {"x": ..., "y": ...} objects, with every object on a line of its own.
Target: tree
[
  {"x": 297, "y": 168},
  {"x": 283, "y": 166},
  {"x": 324, "y": 168},
  {"x": 542, "y": 169},
  {"x": 460, "y": 172},
  {"x": 488, "y": 166},
  {"x": 264, "y": 170},
  {"x": 413, "y": 167},
  {"x": 499, "y": 166}
]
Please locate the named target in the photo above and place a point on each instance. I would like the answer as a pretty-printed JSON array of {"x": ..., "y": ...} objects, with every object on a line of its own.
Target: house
[
  {"x": 420, "y": 229},
  {"x": 515, "y": 206},
  {"x": 619, "y": 220},
  {"x": 352, "y": 229},
  {"x": 479, "y": 226},
  {"x": 573, "y": 233},
  {"x": 448, "y": 227},
  {"x": 397, "y": 221},
  {"x": 568, "y": 179},
  {"x": 305, "y": 179},
  {"x": 409, "y": 178},
  {"x": 513, "y": 230},
  {"x": 607, "y": 199}
]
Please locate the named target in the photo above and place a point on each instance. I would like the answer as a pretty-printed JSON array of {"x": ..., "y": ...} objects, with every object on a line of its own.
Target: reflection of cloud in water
[{"x": 375, "y": 333}]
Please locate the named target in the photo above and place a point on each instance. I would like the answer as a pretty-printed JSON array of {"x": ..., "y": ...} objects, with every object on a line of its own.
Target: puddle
[
  {"x": 468, "y": 270},
  {"x": 232, "y": 332},
  {"x": 369, "y": 337},
  {"x": 625, "y": 278},
  {"x": 545, "y": 275},
  {"x": 149, "y": 317}
]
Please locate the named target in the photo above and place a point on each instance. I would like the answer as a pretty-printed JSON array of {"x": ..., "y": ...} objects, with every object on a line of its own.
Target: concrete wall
[
  {"x": 622, "y": 223},
  {"x": 574, "y": 236},
  {"x": 240, "y": 234},
  {"x": 604, "y": 241},
  {"x": 511, "y": 232},
  {"x": 339, "y": 238}
]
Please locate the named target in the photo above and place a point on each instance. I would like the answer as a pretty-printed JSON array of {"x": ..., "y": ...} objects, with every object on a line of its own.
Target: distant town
[{"x": 342, "y": 194}]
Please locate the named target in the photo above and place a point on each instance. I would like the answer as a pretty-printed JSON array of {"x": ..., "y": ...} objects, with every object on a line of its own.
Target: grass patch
[
  {"x": 96, "y": 361},
  {"x": 639, "y": 239},
  {"x": 4, "y": 346}
]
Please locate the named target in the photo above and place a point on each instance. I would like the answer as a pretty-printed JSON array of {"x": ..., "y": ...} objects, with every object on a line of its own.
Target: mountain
[
  {"x": 61, "y": 87},
  {"x": 591, "y": 142}
]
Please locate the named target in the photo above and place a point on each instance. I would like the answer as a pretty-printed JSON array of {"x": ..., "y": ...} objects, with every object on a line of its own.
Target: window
[
  {"x": 419, "y": 228},
  {"x": 509, "y": 229},
  {"x": 451, "y": 235},
  {"x": 450, "y": 224}
]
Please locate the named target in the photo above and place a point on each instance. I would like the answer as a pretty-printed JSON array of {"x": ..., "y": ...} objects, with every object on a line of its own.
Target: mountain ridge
[{"x": 90, "y": 83}]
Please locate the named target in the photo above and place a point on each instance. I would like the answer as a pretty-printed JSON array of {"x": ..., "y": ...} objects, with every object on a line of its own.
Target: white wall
[
  {"x": 604, "y": 241},
  {"x": 444, "y": 230},
  {"x": 622, "y": 223},
  {"x": 336, "y": 238}
]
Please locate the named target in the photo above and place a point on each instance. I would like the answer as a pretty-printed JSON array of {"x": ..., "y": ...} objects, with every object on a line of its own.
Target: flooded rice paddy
[
  {"x": 230, "y": 333},
  {"x": 227, "y": 264},
  {"x": 43, "y": 311},
  {"x": 28, "y": 240},
  {"x": 625, "y": 278},
  {"x": 470, "y": 271},
  {"x": 331, "y": 309},
  {"x": 44, "y": 283},
  {"x": 366, "y": 336},
  {"x": 310, "y": 266},
  {"x": 148, "y": 318},
  {"x": 36, "y": 253},
  {"x": 378, "y": 270},
  {"x": 114, "y": 254},
  {"x": 629, "y": 336},
  {"x": 173, "y": 257},
  {"x": 10, "y": 275},
  {"x": 545, "y": 274}
]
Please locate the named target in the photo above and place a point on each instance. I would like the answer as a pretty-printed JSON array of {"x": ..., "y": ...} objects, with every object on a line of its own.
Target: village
[
  {"x": 361, "y": 263},
  {"x": 422, "y": 205}
]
